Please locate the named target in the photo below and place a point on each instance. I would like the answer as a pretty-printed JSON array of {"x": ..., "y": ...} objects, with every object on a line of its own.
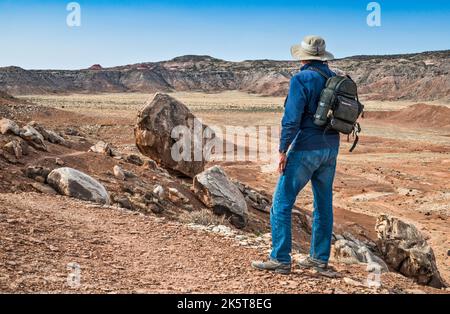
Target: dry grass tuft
[{"x": 203, "y": 217}]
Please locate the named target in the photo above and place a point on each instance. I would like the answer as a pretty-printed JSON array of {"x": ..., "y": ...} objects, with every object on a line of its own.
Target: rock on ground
[
  {"x": 9, "y": 126},
  {"x": 37, "y": 173},
  {"x": 101, "y": 148},
  {"x": 55, "y": 138},
  {"x": 14, "y": 148},
  {"x": 153, "y": 134},
  {"x": 33, "y": 136},
  {"x": 134, "y": 159},
  {"x": 254, "y": 198},
  {"x": 118, "y": 173},
  {"x": 125, "y": 202},
  {"x": 43, "y": 188},
  {"x": 48, "y": 135},
  {"x": 407, "y": 251},
  {"x": 217, "y": 192},
  {"x": 353, "y": 251},
  {"x": 177, "y": 197},
  {"x": 150, "y": 164},
  {"x": 74, "y": 183},
  {"x": 158, "y": 191}
]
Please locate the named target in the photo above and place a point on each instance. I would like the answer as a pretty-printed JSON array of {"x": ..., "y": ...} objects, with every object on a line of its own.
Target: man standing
[{"x": 307, "y": 152}]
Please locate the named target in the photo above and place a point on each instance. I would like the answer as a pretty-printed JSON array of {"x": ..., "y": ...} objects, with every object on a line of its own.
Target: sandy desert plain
[{"x": 401, "y": 166}]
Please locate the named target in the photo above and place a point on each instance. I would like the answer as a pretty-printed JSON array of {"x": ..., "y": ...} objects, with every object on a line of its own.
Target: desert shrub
[{"x": 203, "y": 217}]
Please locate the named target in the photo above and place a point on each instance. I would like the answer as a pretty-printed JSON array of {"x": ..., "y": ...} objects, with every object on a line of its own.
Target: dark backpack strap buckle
[{"x": 356, "y": 131}]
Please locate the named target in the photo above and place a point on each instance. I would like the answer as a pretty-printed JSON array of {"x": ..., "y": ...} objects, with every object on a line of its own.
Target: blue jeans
[{"x": 319, "y": 166}]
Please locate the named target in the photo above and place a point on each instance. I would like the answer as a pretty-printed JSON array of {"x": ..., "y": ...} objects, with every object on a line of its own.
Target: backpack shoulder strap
[
  {"x": 319, "y": 71},
  {"x": 322, "y": 73}
]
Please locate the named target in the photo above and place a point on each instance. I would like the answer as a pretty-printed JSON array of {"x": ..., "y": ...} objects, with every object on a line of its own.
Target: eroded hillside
[{"x": 421, "y": 76}]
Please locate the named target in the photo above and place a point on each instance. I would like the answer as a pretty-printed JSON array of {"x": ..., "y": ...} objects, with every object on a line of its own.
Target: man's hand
[{"x": 282, "y": 163}]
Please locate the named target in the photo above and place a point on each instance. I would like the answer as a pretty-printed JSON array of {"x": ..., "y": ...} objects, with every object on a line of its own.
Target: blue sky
[{"x": 34, "y": 34}]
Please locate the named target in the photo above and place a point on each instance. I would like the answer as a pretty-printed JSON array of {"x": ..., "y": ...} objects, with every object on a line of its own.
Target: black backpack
[{"x": 339, "y": 107}]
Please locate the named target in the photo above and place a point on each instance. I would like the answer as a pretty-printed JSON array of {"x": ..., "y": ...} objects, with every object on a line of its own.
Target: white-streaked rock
[
  {"x": 217, "y": 192},
  {"x": 14, "y": 148},
  {"x": 32, "y": 136},
  {"x": 405, "y": 249},
  {"x": 8, "y": 126},
  {"x": 101, "y": 148},
  {"x": 74, "y": 183},
  {"x": 176, "y": 196},
  {"x": 119, "y": 173},
  {"x": 158, "y": 191}
]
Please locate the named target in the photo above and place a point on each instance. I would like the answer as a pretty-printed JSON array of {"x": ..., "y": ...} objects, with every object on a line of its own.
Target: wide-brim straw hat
[{"x": 311, "y": 48}]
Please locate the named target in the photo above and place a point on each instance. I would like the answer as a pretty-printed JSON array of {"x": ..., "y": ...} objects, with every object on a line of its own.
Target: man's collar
[{"x": 315, "y": 64}]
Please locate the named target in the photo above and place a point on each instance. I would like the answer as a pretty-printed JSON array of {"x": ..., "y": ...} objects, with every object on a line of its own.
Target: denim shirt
[{"x": 298, "y": 130}]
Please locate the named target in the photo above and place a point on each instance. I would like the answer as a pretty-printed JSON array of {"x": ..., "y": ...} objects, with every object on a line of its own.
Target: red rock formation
[{"x": 96, "y": 67}]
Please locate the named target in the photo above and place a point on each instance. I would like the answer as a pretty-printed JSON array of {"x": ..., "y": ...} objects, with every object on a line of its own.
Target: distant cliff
[{"x": 421, "y": 76}]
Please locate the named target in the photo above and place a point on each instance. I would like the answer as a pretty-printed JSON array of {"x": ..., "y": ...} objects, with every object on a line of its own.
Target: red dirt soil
[{"x": 122, "y": 251}]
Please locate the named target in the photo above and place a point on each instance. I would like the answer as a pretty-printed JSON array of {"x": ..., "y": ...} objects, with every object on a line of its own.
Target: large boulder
[
  {"x": 74, "y": 183},
  {"x": 406, "y": 250},
  {"x": 162, "y": 116},
  {"x": 217, "y": 192}
]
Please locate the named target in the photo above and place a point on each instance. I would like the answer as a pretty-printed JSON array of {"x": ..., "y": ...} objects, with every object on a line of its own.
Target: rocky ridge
[{"x": 419, "y": 76}]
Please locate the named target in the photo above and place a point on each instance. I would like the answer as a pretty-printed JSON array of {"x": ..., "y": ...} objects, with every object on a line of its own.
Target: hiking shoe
[
  {"x": 313, "y": 264},
  {"x": 272, "y": 265}
]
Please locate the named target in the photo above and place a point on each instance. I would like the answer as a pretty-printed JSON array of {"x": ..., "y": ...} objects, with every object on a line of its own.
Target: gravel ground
[{"x": 121, "y": 251}]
